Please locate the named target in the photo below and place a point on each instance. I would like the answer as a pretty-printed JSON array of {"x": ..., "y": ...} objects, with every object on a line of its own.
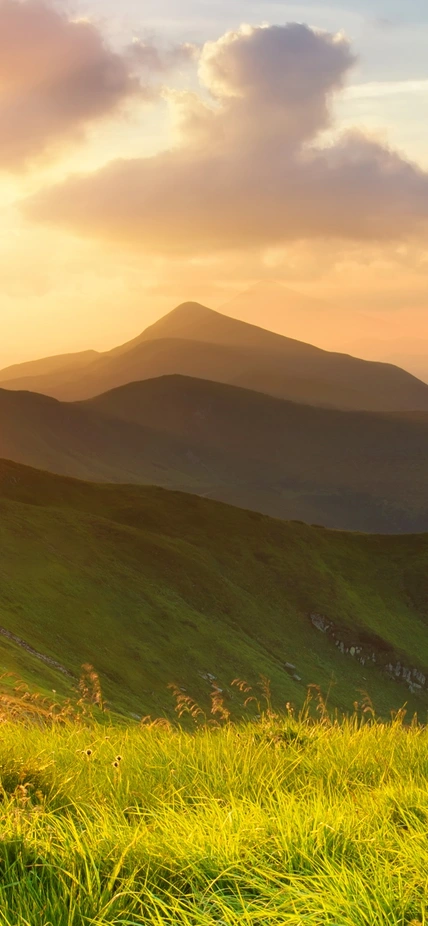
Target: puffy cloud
[
  {"x": 281, "y": 74},
  {"x": 249, "y": 170},
  {"x": 57, "y": 75}
]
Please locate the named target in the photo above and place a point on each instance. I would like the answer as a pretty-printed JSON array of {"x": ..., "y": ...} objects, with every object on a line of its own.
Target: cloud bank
[
  {"x": 248, "y": 170},
  {"x": 58, "y": 75}
]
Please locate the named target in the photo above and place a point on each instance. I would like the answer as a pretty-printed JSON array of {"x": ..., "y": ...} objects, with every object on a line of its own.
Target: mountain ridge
[
  {"x": 350, "y": 470},
  {"x": 207, "y": 344},
  {"x": 47, "y": 365}
]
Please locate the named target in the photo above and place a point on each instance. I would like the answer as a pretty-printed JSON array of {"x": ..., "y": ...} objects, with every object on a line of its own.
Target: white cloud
[{"x": 247, "y": 172}]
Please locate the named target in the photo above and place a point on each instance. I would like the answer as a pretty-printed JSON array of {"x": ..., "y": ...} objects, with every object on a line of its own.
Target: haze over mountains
[
  {"x": 350, "y": 470},
  {"x": 367, "y": 333},
  {"x": 295, "y": 315},
  {"x": 196, "y": 341}
]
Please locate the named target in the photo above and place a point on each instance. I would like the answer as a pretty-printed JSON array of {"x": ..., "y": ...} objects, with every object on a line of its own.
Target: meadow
[{"x": 292, "y": 819}]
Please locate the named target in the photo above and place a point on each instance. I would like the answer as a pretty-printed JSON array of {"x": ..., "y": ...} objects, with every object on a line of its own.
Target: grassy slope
[
  {"x": 282, "y": 823},
  {"x": 153, "y": 587},
  {"x": 196, "y": 341}
]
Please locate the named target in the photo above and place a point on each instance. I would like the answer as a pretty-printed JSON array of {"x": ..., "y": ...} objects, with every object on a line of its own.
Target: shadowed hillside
[
  {"x": 353, "y": 470},
  {"x": 349, "y": 470},
  {"x": 153, "y": 587},
  {"x": 195, "y": 341},
  {"x": 77, "y": 441}
]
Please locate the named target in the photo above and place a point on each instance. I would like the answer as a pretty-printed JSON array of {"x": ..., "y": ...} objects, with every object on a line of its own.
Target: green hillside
[{"x": 155, "y": 587}]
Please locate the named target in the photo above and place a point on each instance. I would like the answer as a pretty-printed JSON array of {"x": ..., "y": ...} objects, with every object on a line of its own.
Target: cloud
[
  {"x": 153, "y": 59},
  {"x": 248, "y": 170},
  {"x": 58, "y": 75}
]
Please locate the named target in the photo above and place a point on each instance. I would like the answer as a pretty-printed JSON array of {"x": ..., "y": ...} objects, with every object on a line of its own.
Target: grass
[
  {"x": 286, "y": 821},
  {"x": 153, "y": 586}
]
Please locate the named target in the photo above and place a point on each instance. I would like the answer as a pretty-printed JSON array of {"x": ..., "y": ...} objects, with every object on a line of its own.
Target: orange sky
[{"x": 141, "y": 169}]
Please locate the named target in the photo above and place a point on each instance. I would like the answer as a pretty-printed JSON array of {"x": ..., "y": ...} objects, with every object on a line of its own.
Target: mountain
[
  {"x": 75, "y": 440},
  {"x": 153, "y": 587},
  {"x": 350, "y": 470},
  {"x": 196, "y": 341},
  {"x": 47, "y": 366},
  {"x": 411, "y": 353}
]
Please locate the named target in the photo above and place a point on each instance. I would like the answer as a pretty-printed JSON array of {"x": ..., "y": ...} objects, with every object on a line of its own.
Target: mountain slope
[
  {"x": 47, "y": 366},
  {"x": 352, "y": 470},
  {"x": 348, "y": 470},
  {"x": 78, "y": 441},
  {"x": 152, "y": 587},
  {"x": 196, "y": 341}
]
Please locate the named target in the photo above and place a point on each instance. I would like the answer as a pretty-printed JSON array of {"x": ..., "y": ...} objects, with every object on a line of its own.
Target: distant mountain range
[
  {"x": 155, "y": 587},
  {"x": 351, "y": 470},
  {"x": 196, "y": 341}
]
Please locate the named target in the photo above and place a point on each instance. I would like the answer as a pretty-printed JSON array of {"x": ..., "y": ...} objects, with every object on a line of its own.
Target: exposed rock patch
[
  {"x": 371, "y": 649},
  {"x": 33, "y": 652}
]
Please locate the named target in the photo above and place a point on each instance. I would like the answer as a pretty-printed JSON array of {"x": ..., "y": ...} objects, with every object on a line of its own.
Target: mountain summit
[{"x": 196, "y": 341}]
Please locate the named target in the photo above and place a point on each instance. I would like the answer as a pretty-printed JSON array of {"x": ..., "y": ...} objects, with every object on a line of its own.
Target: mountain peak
[
  {"x": 191, "y": 307},
  {"x": 188, "y": 312},
  {"x": 187, "y": 319}
]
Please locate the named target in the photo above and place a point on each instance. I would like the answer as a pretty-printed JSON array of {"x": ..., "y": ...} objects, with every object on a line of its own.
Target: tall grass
[{"x": 281, "y": 821}]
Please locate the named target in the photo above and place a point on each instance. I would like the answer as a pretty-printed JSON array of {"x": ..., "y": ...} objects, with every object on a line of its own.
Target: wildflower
[
  {"x": 87, "y": 753},
  {"x": 119, "y": 758},
  {"x": 116, "y": 764}
]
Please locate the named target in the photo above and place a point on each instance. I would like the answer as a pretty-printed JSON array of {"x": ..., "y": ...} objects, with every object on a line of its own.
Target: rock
[{"x": 321, "y": 623}]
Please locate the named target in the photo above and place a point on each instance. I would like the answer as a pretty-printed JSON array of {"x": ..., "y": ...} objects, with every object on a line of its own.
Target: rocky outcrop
[
  {"x": 33, "y": 652},
  {"x": 371, "y": 649}
]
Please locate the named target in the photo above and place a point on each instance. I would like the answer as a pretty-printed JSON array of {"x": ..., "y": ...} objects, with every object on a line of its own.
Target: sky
[{"x": 155, "y": 152}]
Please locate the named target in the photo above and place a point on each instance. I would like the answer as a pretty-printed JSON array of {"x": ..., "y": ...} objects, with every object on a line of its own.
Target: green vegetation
[
  {"x": 287, "y": 822},
  {"x": 154, "y": 587}
]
